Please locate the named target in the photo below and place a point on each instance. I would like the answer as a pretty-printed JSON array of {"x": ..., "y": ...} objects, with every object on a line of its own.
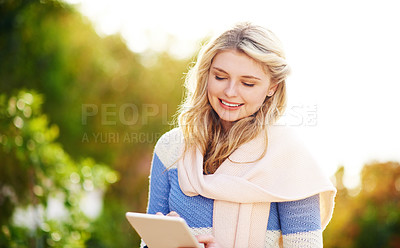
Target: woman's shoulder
[
  {"x": 173, "y": 136},
  {"x": 169, "y": 146}
]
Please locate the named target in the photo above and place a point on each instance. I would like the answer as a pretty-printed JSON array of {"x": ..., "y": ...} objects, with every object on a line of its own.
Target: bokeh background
[{"x": 87, "y": 87}]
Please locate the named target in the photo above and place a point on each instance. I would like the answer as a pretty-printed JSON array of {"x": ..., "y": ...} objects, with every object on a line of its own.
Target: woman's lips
[{"x": 230, "y": 105}]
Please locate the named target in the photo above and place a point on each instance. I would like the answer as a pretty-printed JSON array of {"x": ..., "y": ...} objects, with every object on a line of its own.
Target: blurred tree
[
  {"x": 370, "y": 218},
  {"x": 48, "y": 46},
  {"x": 43, "y": 192},
  {"x": 58, "y": 50}
]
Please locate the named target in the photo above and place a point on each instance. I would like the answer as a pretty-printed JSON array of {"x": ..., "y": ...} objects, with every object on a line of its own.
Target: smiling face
[{"x": 237, "y": 86}]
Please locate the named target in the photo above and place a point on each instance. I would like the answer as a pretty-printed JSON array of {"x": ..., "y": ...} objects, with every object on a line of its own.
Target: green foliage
[
  {"x": 370, "y": 217},
  {"x": 38, "y": 178},
  {"x": 49, "y": 47},
  {"x": 117, "y": 232}
]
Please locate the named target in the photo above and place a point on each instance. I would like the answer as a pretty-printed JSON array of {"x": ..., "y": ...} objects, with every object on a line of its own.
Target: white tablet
[{"x": 159, "y": 231}]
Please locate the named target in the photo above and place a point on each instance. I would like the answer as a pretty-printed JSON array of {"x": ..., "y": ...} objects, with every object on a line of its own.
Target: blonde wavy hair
[{"x": 201, "y": 125}]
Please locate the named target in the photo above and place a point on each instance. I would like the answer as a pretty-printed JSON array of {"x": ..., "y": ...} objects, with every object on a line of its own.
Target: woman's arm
[
  {"x": 159, "y": 187},
  {"x": 301, "y": 223}
]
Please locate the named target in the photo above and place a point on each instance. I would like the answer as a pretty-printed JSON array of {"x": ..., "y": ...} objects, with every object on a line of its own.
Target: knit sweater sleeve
[
  {"x": 158, "y": 190},
  {"x": 166, "y": 152},
  {"x": 301, "y": 223},
  {"x": 159, "y": 187}
]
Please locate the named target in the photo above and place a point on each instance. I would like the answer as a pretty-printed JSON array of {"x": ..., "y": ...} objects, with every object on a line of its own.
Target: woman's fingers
[
  {"x": 208, "y": 240},
  {"x": 173, "y": 213},
  {"x": 205, "y": 238}
]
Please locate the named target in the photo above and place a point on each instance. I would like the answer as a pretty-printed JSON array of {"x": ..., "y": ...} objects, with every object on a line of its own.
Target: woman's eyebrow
[
  {"x": 251, "y": 77},
  {"x": 245, "y": 76},
  {"x": 219, "y": 69}
]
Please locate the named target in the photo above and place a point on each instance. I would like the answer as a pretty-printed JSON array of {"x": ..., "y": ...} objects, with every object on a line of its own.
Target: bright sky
[{"x": 345, "y": 58}]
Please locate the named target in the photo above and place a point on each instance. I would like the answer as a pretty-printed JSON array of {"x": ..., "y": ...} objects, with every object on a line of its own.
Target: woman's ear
[{"x": 272, "y": 89}]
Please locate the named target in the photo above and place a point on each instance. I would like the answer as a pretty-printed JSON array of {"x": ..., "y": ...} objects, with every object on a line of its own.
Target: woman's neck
[{"x": 226, "y": 125}]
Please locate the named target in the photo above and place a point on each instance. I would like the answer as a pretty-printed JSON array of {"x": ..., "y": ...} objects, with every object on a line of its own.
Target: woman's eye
[
  {"x": 219, "y": 78},
  {"x": 248, "y": 85}
]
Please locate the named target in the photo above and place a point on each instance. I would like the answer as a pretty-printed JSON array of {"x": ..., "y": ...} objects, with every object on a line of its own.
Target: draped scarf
[{"x": 243, "y": 189}]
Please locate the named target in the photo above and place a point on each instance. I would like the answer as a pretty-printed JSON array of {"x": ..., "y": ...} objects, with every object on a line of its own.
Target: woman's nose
[{"x": 231, "y": 89}]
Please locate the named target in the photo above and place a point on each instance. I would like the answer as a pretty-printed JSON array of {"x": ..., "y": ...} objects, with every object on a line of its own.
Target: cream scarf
[{"x": 243, "y": 191}]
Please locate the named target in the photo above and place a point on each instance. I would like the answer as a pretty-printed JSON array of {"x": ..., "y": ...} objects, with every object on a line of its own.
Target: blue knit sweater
[{"x": 297, "y": 222}]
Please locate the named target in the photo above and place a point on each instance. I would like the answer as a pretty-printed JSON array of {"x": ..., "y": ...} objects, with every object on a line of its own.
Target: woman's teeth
[{"x": 230, "y": 104}]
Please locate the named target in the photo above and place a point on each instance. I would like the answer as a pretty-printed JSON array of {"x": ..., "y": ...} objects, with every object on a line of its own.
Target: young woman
[{"x": 236, "y": 178}]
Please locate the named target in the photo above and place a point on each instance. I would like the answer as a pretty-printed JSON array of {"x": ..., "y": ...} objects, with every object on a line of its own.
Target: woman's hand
[
  {"x": 208, "y": 240},
  {"x": 172, "y": 213}
]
